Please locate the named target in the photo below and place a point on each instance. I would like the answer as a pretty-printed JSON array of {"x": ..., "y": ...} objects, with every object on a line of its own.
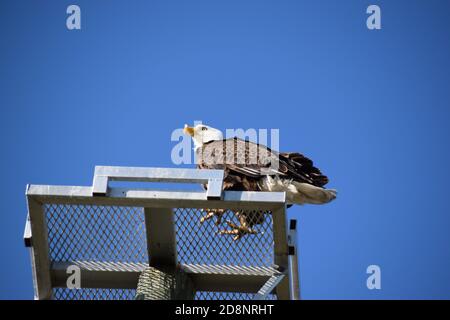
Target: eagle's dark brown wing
[{"x": 245, "y": 163}]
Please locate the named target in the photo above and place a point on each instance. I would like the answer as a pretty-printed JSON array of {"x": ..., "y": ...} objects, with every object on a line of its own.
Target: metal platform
[{"x": 112, "y": 234}]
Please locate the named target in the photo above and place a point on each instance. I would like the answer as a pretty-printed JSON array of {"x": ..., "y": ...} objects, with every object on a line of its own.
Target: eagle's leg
[
  {"x": 238, "y": 231},
  {"x": 218, "y": 213},
  {"x": 235, "y": 232},
  {"x": 244, "y": 221}
]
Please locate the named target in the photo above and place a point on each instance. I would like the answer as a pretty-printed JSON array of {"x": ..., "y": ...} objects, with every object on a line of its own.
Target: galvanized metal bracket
[
  {"x": 27, "y": 235},
  {"x": 269, "y": 286},
  {"x": 104, "y": 174},
  {"x": 292, "y": 237}
]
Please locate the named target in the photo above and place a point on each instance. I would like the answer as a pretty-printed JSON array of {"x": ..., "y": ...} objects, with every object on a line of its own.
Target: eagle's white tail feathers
[{"x": 297, "y": 192}]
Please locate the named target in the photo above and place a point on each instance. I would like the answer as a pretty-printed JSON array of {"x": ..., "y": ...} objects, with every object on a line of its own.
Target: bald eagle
[{"x": 250, "y": 166}]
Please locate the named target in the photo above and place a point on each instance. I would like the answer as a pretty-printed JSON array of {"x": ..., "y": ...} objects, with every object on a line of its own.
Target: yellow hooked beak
[{"x": 188, "y": 130}]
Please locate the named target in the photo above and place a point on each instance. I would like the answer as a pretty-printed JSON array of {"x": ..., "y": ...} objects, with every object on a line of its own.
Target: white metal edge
[
  {"x": 104, "y": 174},
  {"x": 154, "y": 198},
  {"x": 188, "y": 268},
  {"x": 158, "y": 174},
  {"x": 100, "y": 185}
]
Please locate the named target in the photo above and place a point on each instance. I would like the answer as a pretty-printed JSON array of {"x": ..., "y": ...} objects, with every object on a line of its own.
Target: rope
[{"x": 155, "y": 284}]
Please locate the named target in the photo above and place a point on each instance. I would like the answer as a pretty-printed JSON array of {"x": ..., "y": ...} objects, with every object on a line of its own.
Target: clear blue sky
[{"x": 370, "y": 107}]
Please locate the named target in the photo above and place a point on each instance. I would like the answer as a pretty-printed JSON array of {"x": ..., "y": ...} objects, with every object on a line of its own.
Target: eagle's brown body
[{"x": 246, "y": 163}]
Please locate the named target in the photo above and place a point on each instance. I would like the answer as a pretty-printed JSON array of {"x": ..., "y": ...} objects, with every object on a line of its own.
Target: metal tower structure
[{"x": 111, "y": 234}]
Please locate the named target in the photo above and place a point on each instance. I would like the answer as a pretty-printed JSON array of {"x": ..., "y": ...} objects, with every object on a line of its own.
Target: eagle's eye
[{"x": 204, "y": 128}]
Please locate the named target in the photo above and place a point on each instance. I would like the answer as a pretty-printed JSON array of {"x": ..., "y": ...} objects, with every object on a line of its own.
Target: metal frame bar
[
  {"x": 104, "y": 174},
  {"x": 157, "y": 207},
  {"x": 99, "y": 274},
  {"x": 40, "y": 261},
  {"x": 126, "y": 275},
  {"x": 230, "y": 278},
  {"x": 155, "y": 198},
  {"x": 281, "y": 251}
]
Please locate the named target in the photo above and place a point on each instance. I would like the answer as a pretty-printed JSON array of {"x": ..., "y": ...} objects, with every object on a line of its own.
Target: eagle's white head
[{"x": 202, "y": 133}]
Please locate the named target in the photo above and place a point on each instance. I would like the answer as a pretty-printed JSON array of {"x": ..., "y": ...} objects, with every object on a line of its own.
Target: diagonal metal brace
[{"x": 269, "y": 286}]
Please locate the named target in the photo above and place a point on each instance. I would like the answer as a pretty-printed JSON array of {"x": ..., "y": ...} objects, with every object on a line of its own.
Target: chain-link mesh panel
[
  {"x": 93, "y": 294},
  {"x": 206, "y": 295},
  {"x": 96, "y": 233},
  {"x": 224, "y": 237},
  {"x": 117, "y": 234},
  {"x": 129, "y": 294}
]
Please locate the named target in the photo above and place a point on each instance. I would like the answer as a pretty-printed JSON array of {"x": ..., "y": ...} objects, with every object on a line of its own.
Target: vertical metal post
[
  {"x": 293, "y": 260},
  {"x": 40, "y": 256},
  {"x": 281, "y": 250},
  {"x": 162, "y": 280},
  {"x": 161, "y": 242}
]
